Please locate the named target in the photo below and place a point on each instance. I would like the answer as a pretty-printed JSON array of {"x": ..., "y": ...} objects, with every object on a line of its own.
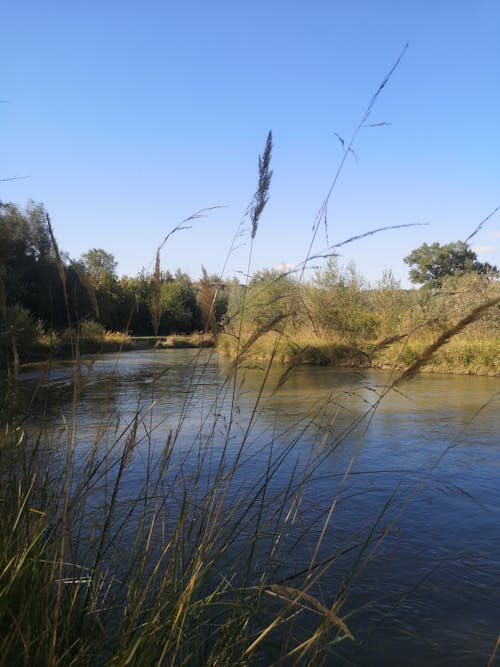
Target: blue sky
[{"x": 128, "y": 117}]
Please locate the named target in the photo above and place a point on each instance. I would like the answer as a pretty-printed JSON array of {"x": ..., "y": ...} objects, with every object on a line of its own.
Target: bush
[
  {"x": 91, "y": 330},
  {"x": 18, "y": 334}
]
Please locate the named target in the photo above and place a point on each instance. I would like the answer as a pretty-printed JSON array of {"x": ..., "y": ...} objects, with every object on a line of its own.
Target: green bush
[
  {"x": 91, "y": 330},
  {"x": 19, "y": 332}
]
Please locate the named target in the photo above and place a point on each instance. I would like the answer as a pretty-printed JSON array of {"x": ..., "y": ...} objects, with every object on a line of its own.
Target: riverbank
[
  {"x": 460, "y": 356},
  {"x": 63, "y": 348}
]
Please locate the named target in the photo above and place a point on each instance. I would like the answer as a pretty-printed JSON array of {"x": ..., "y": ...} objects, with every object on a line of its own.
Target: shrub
[
  {"x": 18, "y": 333},
  {"x": 91, "y": 330}
]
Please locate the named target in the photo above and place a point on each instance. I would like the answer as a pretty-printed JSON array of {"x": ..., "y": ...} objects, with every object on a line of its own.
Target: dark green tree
[
  {"x": 179, "y": 308},
  {"x": 100, "y": 265},
  {"x": 136, "y": 303},
  {"x": 28, "y": 268},
  {"x": 430, "y": 264}
]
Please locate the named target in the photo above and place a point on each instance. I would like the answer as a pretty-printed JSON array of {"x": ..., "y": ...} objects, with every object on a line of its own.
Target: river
[{"x": 406, "y": 479}]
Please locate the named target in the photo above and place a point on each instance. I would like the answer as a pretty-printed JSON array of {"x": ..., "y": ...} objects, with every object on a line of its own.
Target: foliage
[
  {"x": 136, "y": 294},
  {"x": 339, "y": 304},
  {"x": 457, "y": 296},
  {"x": 206, "y": 300},
  {"x": 270, "y": 295},
  {"x": 430, "y": 264},
  {"x": 91, "y": 330},
  {"x": 18, "y": 334},
  {"x": 396, "y": 307},
  {"x": 179, "y": 308},
  {"x": 27, "y": 263},
  {"x": 100, "y": 265},
  {"x": 340, "y": 319},
  {"x": 32, "y": 275}
]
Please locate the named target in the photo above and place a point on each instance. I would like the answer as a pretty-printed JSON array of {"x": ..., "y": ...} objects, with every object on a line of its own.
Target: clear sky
[{"x": 129, "y": 116}]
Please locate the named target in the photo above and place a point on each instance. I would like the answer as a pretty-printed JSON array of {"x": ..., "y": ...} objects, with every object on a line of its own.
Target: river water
[{"x": 412, "y": 474}]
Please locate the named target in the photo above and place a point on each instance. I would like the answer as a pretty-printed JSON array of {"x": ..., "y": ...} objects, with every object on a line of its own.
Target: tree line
[
  {"x": 42, "y": 288},
  {"x": 58, "y": 291}
]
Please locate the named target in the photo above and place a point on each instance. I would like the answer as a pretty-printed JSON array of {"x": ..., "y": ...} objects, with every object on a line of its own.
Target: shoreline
[{"x": 337, "y": 356}]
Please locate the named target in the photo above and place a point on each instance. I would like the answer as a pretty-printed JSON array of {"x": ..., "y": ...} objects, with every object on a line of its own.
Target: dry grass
[
  {"x": 194, "y": 340},
  {"x": 462, "y": 354}
]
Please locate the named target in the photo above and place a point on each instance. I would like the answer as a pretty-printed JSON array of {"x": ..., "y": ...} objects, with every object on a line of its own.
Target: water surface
[{"x": 417, "y": 468}]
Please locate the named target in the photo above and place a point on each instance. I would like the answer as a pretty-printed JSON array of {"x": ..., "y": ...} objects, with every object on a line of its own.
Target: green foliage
[
  {"x": 27, "y": 263},
  {"x": 100, "y": 265},
  {"x": 271, "y": 294},
  {"x": 135, "y": 299},
  {"x": 179, "y": 307},
  {"x": 91, "y": 330},
  {"x": 18, "y": 333},
  {"x": 396, "y": 308},
  {"x": 339, "y": 304},
  {"x": 430, "y": 264},
  {"x": 458, "y": 295}
]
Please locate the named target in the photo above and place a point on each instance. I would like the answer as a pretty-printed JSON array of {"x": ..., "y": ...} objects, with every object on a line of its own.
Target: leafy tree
[
  {"x": 430, "y": 264},
  {"x": 137, "y": 293},
  {"x": 100, "y": 265},
  {"x": 18, "y": 333},
  {"x": 179, "y": 308},
  {"x": 339, "y": 303},
  {"x": 28, "y": 270},
  {"x": 391, "y": 303},
  {"x": 271, "y": 294}
]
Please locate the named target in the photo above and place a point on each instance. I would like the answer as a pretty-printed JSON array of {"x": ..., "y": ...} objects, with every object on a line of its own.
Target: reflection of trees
[{"x": 120, "y": 388}]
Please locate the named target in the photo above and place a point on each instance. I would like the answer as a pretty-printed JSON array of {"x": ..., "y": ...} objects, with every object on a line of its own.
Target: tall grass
[
  {"x": 190, "y": 569},
  {"x": 195, "y": 568}
]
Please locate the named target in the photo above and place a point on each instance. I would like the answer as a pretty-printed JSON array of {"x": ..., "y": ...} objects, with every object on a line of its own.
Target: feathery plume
[{"x": 261, "y": 197}]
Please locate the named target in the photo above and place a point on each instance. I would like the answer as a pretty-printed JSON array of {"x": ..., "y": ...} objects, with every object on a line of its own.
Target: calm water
[{"x": 419, "y": 467}]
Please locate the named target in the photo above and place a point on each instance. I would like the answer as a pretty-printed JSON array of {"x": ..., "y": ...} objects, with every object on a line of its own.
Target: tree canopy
[
  {"x": 430, "y": 264},
  {"x": 99, "y": 264}
]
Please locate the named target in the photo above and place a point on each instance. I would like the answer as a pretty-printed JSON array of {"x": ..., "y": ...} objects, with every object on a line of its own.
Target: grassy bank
[
  {"x": 87, "y": 342},
  {"x": 193, "y": 340},
  {"x": 52, "y": 346},
  {"x": 339, "y": 319},
  {"x": 462, "y": 355}
]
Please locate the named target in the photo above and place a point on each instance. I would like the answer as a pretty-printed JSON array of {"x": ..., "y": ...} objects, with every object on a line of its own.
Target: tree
[
  {"x": 99, "y": 264},
  {"x": 339, "y": 303},
  {"x": 430, "y": 264},
  {"x": 179, "y": 309},
  {"x": 271, "y": 294},
  {"x": 29, "y": 273},
  {"x": 138, "y": 293}
]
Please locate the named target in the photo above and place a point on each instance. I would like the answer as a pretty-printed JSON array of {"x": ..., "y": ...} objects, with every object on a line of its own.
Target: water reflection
[{"x": 420, "y": 464}]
